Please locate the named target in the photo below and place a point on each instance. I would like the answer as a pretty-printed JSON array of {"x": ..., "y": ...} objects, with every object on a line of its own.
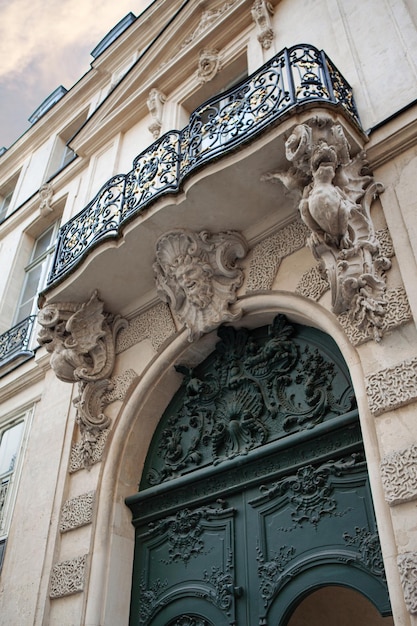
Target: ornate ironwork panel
[
  {"x": 294, "y": 77},
  {"x": 257, "y": 387},
  {"x": 155, "y": 172},
  {"x": 99, "y": 220},
  {"x": 15, "y": 342}
]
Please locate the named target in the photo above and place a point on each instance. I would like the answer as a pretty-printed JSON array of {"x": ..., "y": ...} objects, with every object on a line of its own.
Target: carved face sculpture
[
  {"x": 194, "y": 277},
  {"x": 324, "y": 162}
]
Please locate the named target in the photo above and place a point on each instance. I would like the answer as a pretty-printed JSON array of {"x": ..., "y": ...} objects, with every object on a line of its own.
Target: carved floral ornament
[
  {"x": 81, "y": 341},
  {"x": 196, "y": 273},
  {"x": 209, "y": 64},
  {"x": 335, "y": 197}
]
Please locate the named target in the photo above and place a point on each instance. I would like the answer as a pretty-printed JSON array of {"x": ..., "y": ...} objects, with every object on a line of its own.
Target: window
[
  {"x": 62, "y": 154},
  {"x": 5, "y": 203},
  {"x": 227, "y": 78},
  {"x": 6, "y": 196},
  {"x": 12, "y": 435},
  {"x": 36, "y": 272}
]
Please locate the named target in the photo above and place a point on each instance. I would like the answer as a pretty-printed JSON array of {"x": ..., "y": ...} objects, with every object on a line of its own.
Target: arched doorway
[{"x": 255, "y": 489}]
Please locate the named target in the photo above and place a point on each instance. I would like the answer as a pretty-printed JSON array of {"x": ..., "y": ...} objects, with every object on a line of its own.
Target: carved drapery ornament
[
  {"x": 209, "y": 63},
  {"x": 196, "y": 273},
  {"x": 335, "y": 197},
  {"x": 155, "y": 103},
  {"x": 261, "y": 13},
  {"x": 81, "y": 341}
]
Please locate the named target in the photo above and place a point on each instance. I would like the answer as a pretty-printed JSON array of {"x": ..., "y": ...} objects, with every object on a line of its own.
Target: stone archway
[{"x": 110, "y": 574}]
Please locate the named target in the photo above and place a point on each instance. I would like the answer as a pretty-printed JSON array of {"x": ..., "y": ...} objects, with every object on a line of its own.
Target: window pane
[
  {"x": 42, "y": 243},
  {"x": 9, "y": 447},
  {"x": 29, "y": 292}
]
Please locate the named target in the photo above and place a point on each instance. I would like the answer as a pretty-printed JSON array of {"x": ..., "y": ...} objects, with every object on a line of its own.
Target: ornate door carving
[{"x": 255, "y": 489}]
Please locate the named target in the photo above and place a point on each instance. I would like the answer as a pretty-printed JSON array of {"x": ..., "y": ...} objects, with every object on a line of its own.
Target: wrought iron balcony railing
[
  {"x": 16, "y": 342},
  {"x": 297, "y": 76}
]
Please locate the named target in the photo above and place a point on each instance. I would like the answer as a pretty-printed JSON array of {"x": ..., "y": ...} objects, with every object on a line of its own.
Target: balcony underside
[{"x": 226, "y": 194}]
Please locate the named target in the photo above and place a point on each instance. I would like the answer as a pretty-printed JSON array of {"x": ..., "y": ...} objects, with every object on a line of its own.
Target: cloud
[{"x": 47, "y": 43}]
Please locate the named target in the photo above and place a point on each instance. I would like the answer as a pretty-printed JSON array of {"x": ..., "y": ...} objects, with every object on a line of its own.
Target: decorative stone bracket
[
  {"x": 261, "y": 11},
  {"x": 335, "y": 196},
  {"x": 196, "y": 273},
  {"x": 155, "y": 104},
  {"x": 81, "y": 341}
]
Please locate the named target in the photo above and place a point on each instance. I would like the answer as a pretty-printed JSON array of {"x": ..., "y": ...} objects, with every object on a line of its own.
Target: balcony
[
  {"x": 16, "y": 344},
  {"x": 179, "y": 180}
]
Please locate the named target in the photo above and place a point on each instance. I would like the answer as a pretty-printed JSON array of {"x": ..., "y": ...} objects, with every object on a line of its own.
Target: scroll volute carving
[
  {"x": 335, "y": 195},
  {"x": 197, "y": 274},
  {"x": 81, "y": 341}
]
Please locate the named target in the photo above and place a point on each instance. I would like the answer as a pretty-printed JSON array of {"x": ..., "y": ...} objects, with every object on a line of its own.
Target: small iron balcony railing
[
  {"x": 297, "y": 76},
  {"x": 16, "y": 342}
]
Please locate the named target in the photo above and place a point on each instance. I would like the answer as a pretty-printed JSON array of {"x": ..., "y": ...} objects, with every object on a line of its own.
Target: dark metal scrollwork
[{"x": 297, "y": 75}]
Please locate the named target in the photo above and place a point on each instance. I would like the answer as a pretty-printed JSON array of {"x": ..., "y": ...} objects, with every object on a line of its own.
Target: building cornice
[
  {"x": 126, "y": 104},
  {"x": 393, "y": 137}
]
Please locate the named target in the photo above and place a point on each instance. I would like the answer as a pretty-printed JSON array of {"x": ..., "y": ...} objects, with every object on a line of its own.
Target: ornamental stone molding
[
  {"x": 335, "y": 197},
  {"x": 313, "y": 284},
  {"x": 399, "y": 476},
  {"x": 81, "y": 341},
  {"x": 407, "y": 564},
  {"x": 266, "y": 256},
  {"x": 77, "y": 457},
  {"x": 207, "y": 20},
  {"x": 155, "y": 104},
  {"x": 261, "y": 13},
  {"x": 398, "y": 313},
  {"x": 68, "y": 577},
  {"x": 119, "y": 386},
  {"x": 77, "y": 512},
  {"x": 393, "y": 387},
  {"x": 196, "y": 273},
  {"x": 156, "y": 324},
  {"x": 209, "y": 64}
]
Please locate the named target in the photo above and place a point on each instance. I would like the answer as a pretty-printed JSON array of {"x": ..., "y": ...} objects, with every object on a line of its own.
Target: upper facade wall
[{"x": 354, "y": 36}]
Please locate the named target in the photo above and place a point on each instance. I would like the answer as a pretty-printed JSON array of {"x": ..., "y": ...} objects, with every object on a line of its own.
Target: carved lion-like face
[{"x": 194, "y": 277}]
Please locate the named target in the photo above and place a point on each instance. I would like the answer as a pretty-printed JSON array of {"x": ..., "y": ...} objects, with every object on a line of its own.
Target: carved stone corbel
[
  {"x": 209, "y": 64},
  {"x": 335, "y": 197},
  {"x": 81, "y": 341},
  {"x": 46, "y": 193},
  {"x": 155, "y": 103},
  {"x": 261, "y": 11},
  {"x": 196, "y": 273}
]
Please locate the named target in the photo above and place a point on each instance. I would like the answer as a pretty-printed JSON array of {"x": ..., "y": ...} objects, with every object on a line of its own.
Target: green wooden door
[{"x": 255, "y": 490}]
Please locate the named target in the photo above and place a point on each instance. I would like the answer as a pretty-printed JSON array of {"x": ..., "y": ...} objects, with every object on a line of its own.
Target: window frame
[
  {"x": 34, "y": 262},
  {"x": 25, "y": 416}
]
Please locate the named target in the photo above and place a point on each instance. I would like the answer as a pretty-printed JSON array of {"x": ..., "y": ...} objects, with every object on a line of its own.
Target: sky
[{"x": 47, "y": 43}]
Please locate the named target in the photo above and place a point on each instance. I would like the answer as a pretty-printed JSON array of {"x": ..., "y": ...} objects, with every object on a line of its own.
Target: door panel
[
  {"x": 236, "y": 561},
  {"x": 187, "y": 555}
]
